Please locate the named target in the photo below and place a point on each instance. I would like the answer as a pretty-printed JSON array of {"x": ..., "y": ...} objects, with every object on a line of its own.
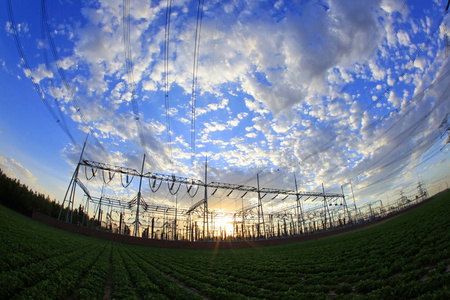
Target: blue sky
[{"x": 335, "y": 91}]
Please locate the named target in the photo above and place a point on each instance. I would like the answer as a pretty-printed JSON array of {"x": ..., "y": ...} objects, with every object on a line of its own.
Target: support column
[
  {"x": 153, "y": 227},
  {"x": 176, "y": 212},
  {"x": 100, "y": 208},
  {"x": 260, "y": 211},
  {"x": 299, "y": 209},
  {"x": 205, "y": 204},
  {"x": 243, "y": 218},
  {"x": 72, "y": 197},
  {"x": 120, "y": 223},
  {"x": 325, "y": 208},
  {"x": 345, "y": 203},
  {"x": 136, "y": 221},
  {"x": 86, "y": 213},
  {"x": 73, "y": 182},
  {"x": 354, "y": 203}
]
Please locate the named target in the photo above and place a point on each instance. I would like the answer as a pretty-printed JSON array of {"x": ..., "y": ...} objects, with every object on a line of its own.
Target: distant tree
[{"x": 19, "y": 197}]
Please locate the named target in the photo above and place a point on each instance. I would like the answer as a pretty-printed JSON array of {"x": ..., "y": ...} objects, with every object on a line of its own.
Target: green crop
[{"x": 403, "y": 258}]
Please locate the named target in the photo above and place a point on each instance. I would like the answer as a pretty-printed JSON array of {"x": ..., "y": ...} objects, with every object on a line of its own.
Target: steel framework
[{"x": 198, "y": 221}]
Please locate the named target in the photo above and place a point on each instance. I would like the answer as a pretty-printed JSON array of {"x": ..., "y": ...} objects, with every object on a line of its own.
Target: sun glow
[{"x": 223, "y": 226}]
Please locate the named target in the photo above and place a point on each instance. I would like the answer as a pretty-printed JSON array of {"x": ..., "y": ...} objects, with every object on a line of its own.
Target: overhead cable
[
  {"x": 198, "y": 29},
  {"x": 166, "y": 76},
  {"x": 35, "y": 83},
  {"x": 62, "y": 74},
  {"x": 129, "y": 67}
]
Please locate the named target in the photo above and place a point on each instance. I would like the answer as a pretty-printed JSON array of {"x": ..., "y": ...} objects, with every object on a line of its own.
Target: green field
[{"x": 404, "y": 258}]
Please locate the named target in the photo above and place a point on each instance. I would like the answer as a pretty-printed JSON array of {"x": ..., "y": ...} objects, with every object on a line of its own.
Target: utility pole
[
  {"x": 72, "y": 184},
  {"x": 260, "y": 210},
  {"x": 99, "y": 218},
  {"x": 345, "y": 203},
  {"x": 86, "y": 213},
  {"x": 422, "y": 191},
  {"x": 243, "y": 218},
  {"x": 153, "y": 227},
  {"x": 136, "y": 224},
  {"x": 299, "y": 209},
  {"x": 176, "y": 211},
  {"x": 205, "y": 205},
  {"x": 325, "y": 208},
  {"x": 120, "y": 223},
  {"x": 444, "y": 128},
  {"x": 354, "y": 202}
]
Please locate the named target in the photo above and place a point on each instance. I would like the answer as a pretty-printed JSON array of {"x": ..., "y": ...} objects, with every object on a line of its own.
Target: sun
[{"x": 223, "y": 225}]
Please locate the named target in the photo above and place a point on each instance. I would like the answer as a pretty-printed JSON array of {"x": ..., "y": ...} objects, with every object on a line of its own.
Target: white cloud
[
  {"x": 9, "y": 28},
  {"x": 214, "y": 126},
  {"x": 255, "y": 106},
  {"x": 14, "y": 169},
  {"x": 378, "y": 72},
  {"x": 420, "y": 63},
  {"x": 403, "y": 38},
  {"x": 391, "y": 6},
  {"x": 20, "y": 27},
  {"x": 296, "y": 84},
  {"x": 41, "y": 72},
  {"x": 394, "y": 99},
  {"x": 149, "y": 85}
]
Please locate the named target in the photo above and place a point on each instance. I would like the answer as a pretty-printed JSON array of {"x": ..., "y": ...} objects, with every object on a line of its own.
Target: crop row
[
  {"x": 92, "y": 285},
  {"x": 42, "y": 262},
  {"x": 58, "y": 282},
  {"x": 18, "y": 242},
  {"x": 406, "y": 257},
  {"x": 150, "y": 282},
  {"x": 24, "y": 277}
]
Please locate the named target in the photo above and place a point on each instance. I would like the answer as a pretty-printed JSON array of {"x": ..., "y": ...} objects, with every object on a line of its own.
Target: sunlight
[{"x": 223, "y": 226}]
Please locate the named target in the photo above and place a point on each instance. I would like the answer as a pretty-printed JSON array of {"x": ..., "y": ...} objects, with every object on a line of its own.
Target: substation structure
[{"x": 300, "y": 212}]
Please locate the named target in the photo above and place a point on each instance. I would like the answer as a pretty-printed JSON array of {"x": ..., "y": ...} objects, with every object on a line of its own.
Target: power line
[
  {"x": 371, "y": 55},
  {"x": 29, "y": 74},
  {"x": 129, "y": 67},
  {"x": 394, "y": 173},
  {"x": 198, "y": 29},
  {"x": 408, "y": 66},
  {"x": 47, "y": 65},
  {"x": 166, "y": 71},
  {"x": 382, "y": 95},
  {"x": 332, "y": 141},
  {"x": 425, "y": 144},
  {"x": 417, "y": 98},
  {"x": 62, "y": 74}
]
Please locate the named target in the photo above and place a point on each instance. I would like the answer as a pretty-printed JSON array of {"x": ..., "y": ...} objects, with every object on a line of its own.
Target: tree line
[{"x": 21, "y": 198}]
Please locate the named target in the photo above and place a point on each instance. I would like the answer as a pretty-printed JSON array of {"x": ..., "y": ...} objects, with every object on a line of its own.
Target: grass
[{"x": 404, "y": 258}]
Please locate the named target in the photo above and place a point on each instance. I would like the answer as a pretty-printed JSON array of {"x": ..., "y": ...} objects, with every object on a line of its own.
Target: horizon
[{"x": 333, "y": 93}]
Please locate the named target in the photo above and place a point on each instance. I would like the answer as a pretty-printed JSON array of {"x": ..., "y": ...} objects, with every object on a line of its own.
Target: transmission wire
[
  {"x": 36, "y": 85},
  {"x": 62, "y": 74},
  {"x": 194, "y": 75},
  {"x": 47, "y": 65},
  {"x": 166, "y": 71},
  {"x": 129, "y": 67}
]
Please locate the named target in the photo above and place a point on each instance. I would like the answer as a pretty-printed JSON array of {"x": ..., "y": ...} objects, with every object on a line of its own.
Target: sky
[{"x": 335, "y": 92}]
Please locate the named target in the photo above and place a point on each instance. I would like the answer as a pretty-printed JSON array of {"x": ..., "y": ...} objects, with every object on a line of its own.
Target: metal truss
[
  {"x": 148, "y": 208},
  {"x": 189, "y": 182},
  {"x": 248, "y": 222}
]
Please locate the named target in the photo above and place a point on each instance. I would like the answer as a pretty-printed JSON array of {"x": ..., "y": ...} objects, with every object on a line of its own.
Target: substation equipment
[{"x": 149, "y": 219}]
